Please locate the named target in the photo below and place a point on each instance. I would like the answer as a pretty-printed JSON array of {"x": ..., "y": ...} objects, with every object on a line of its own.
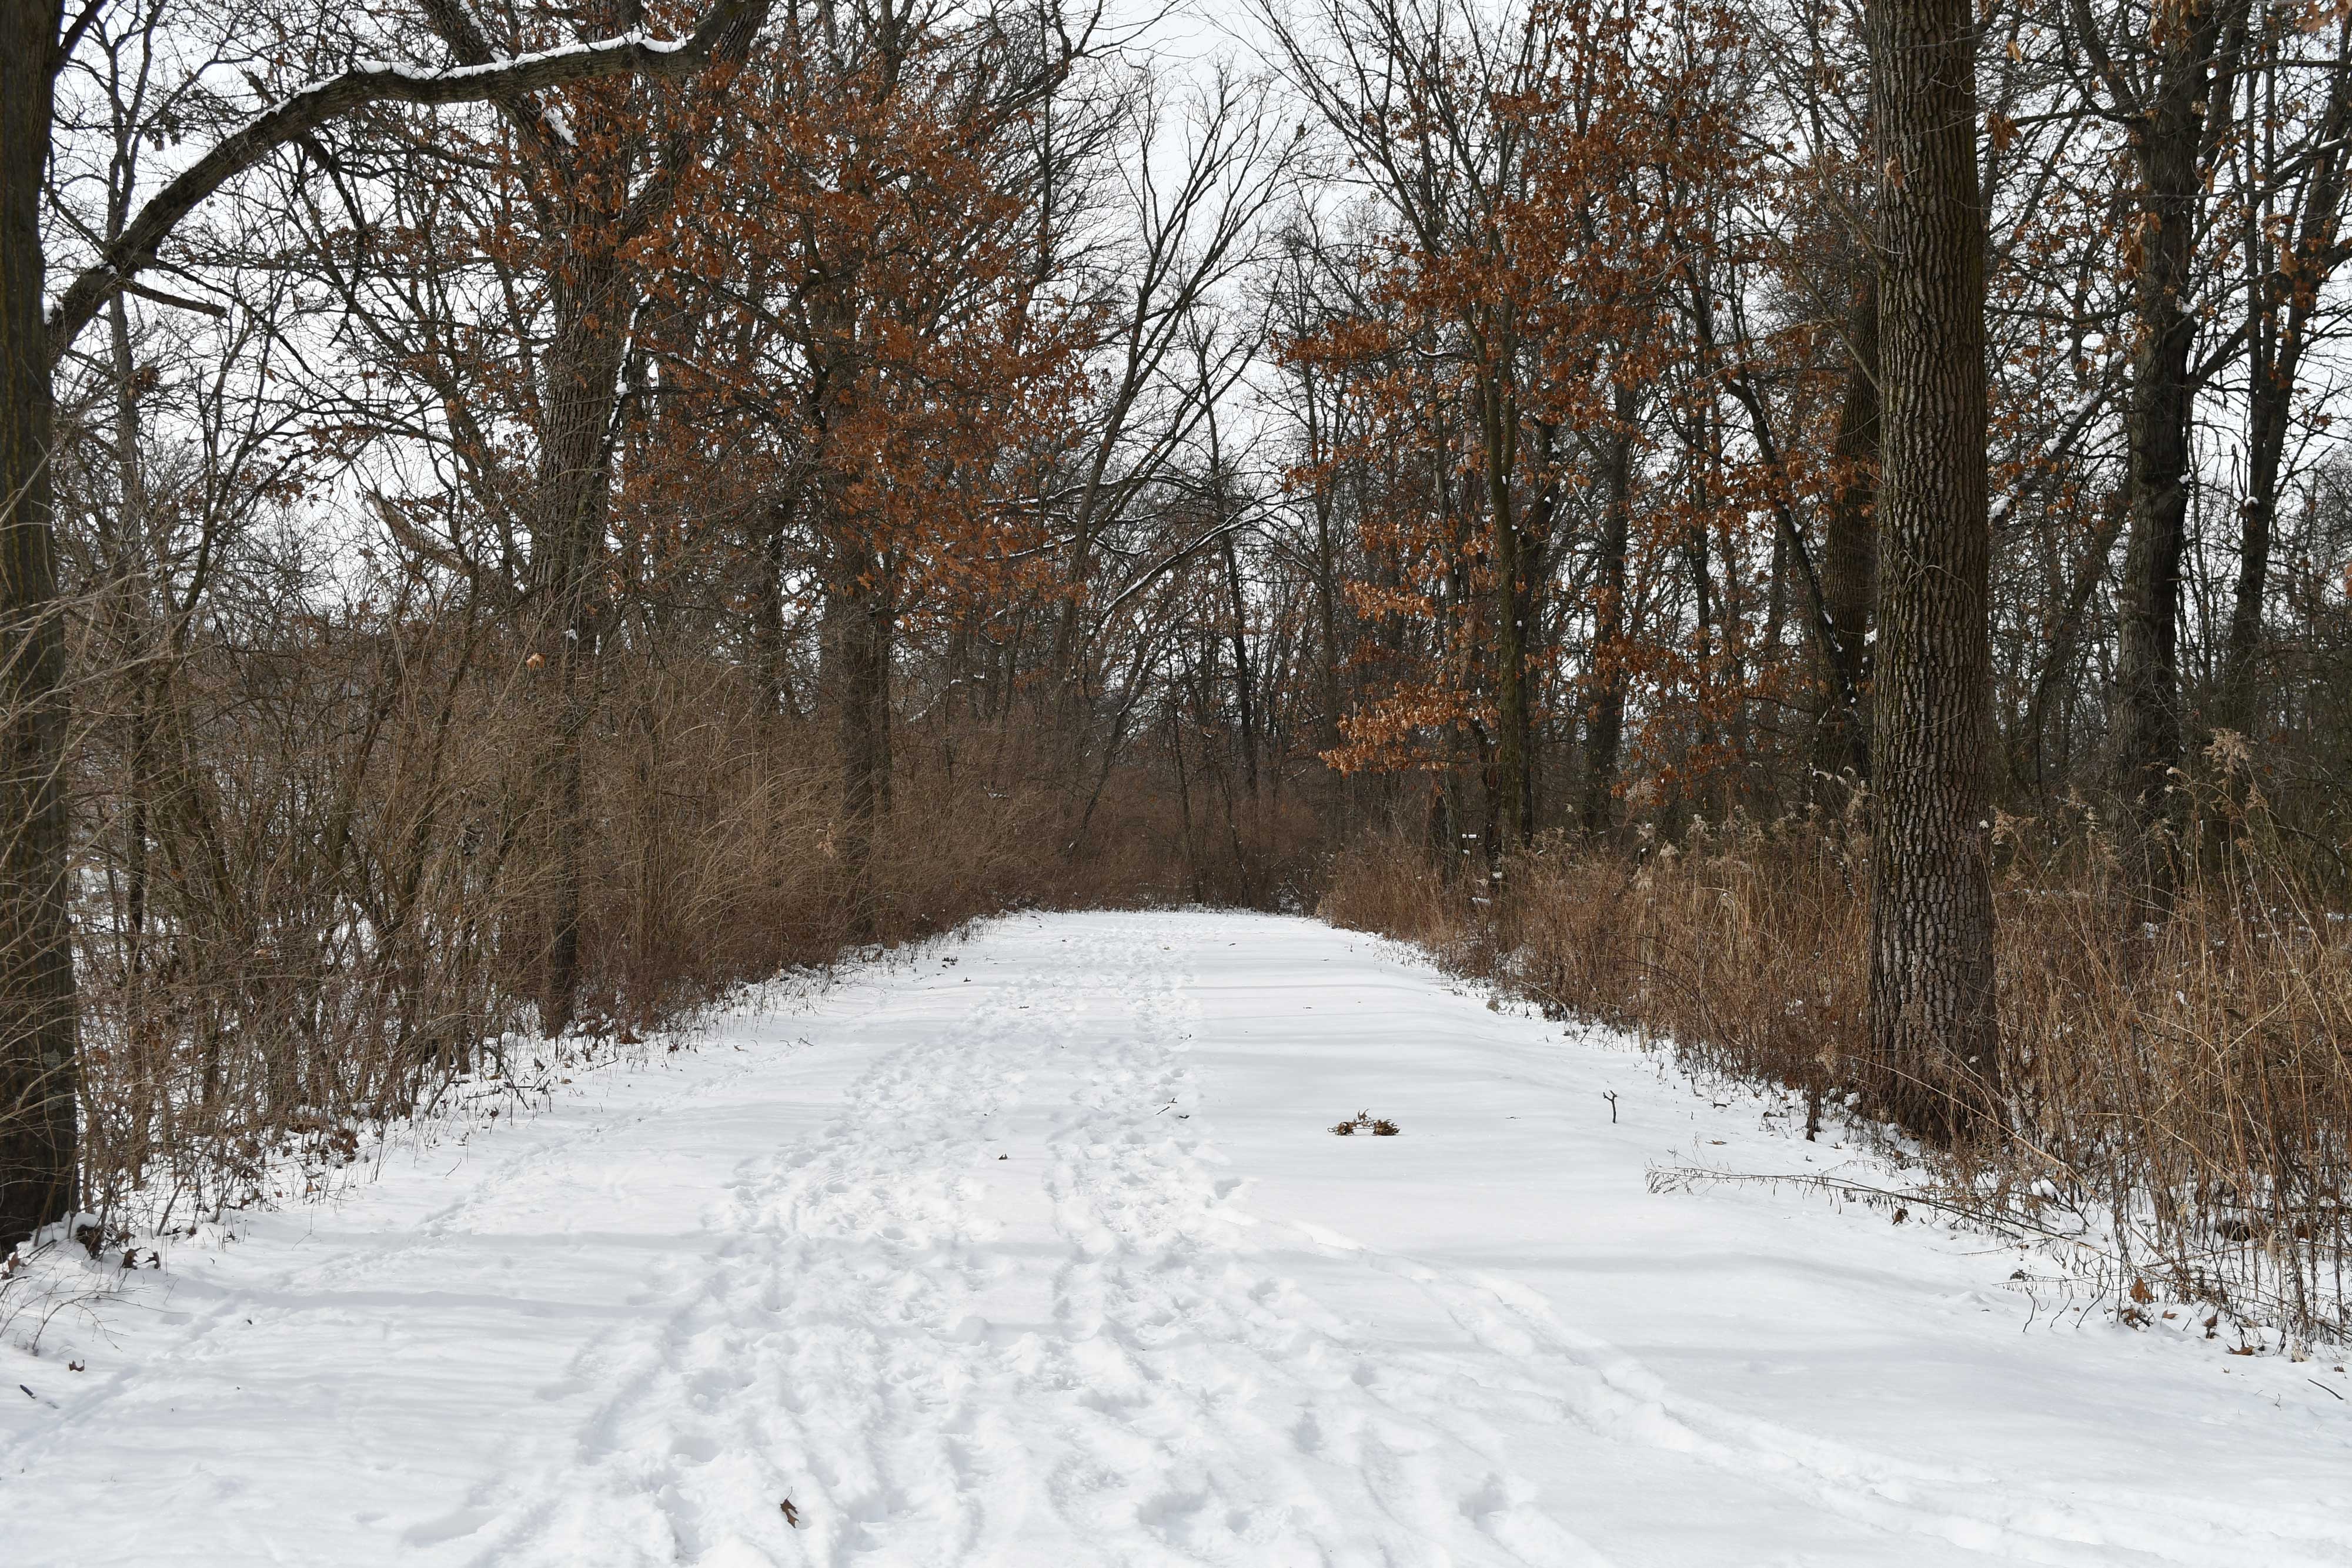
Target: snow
[{"x": 1037, "y": 1249}]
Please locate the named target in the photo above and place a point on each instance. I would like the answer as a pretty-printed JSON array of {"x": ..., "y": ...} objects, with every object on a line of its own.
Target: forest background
[{"x": 505, "y": 545}]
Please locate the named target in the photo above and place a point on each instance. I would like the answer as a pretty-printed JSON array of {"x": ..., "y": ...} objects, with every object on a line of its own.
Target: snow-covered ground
[{"x": 1038, "y": 1250}]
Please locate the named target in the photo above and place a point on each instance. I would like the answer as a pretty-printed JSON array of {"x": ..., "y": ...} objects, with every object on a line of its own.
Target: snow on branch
[
  {"x": 2078, "y": 419},
  {"x": 729, "y": 25}
]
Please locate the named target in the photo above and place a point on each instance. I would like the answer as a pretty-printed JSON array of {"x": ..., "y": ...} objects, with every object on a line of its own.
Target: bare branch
[{"x": 729, "y": 25}]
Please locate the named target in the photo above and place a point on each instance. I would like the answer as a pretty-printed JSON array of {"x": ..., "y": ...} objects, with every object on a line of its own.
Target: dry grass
[
  {"x": 312, "y": 882},
  {"x": 2180, "y": 1089}
]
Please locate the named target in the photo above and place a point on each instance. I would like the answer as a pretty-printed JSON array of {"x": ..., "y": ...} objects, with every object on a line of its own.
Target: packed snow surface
[{"x": 1037, "y": 1249}]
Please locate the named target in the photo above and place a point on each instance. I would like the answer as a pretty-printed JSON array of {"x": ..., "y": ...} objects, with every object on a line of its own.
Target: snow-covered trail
[{"x": 1038, "y": 1252}]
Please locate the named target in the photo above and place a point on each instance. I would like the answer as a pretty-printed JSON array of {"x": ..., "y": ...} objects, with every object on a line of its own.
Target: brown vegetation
[
  {"x": 323, "y": 908},
  {"x": 2176, "y": 1093},
  {"x": 496, "y": 549}
]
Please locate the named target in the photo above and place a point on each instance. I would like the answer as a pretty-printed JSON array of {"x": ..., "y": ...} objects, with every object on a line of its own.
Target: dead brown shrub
[{"x": 2178, "y": 1085}]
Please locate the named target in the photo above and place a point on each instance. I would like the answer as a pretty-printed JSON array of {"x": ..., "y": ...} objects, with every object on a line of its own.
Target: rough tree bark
[
  {"x": 569, "y": 521},
  {"x": 1932, "y": 1024},
  {"x": 36, "y": 984}
]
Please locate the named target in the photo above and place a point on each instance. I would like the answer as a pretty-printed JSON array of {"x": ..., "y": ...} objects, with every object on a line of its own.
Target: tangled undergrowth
[{"x": 2178, "y": 1082}]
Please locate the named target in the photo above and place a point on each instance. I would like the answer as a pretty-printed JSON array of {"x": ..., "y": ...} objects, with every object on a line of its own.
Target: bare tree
[{"x": 37, "y": 989}]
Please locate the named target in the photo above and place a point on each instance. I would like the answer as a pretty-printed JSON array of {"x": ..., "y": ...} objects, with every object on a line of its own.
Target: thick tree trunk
[
  {"x": 2148, "y": 705},
  {"x": 1850, "y": 550},
  {"x": 583, "y": 364},
  {"x": 1604, "y": 737},
  {"x": 1932, "y": 1021},
  {"x": 36, "y": 985}
]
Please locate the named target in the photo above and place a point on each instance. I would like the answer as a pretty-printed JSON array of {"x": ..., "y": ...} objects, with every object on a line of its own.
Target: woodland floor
[{"x": 1036, "y": 1250}]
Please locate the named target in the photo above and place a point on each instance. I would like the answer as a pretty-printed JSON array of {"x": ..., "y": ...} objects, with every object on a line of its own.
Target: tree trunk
[
  {"x": 1514, "y": 803},
  {"x": 583, "y": 365},
  {"x": 1850, "y": 552},
  {"x": 2275, "y": 360},
  {"x": 771, "y": 648},
  {"x": 1243, "y": 680},
  {"x": 36, "y": 984},
  {"x": 2148, "y": 721},
  {"x": 1328, "y": 653},
  {"x": 1328, "y": 656},
  {"x": 1703, "y": 617},
  {"x": 1184, "y": 797},
  {"x": 1932, "y": 1021},
  {"x": 862, "y": 652},
  {"x": 2028, "y": 762},
  {"x": 134, "y": 598},
  {"x": 2273, "y": 390},
  {"x": 1604, "y": 740}
]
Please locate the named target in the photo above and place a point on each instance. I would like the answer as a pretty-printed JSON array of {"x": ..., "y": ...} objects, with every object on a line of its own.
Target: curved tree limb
[{"x": 729, "y": 25}]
